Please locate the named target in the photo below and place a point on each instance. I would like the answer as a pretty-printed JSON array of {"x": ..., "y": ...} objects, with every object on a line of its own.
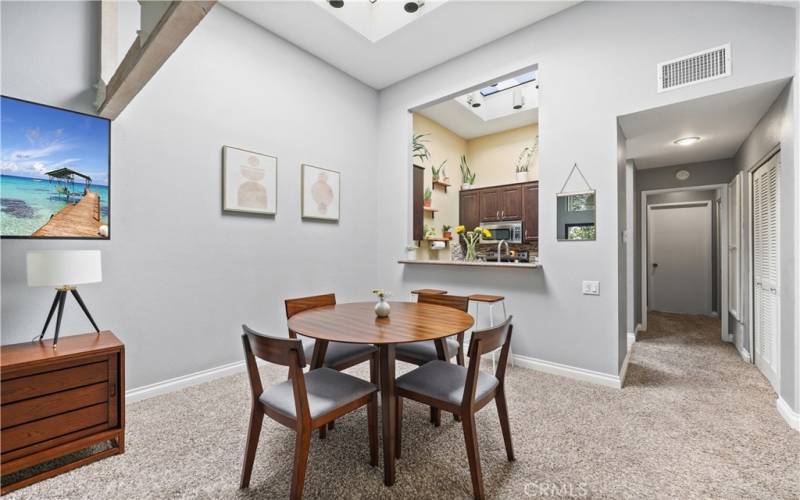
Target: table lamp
[{"x": 64, "y": 270}]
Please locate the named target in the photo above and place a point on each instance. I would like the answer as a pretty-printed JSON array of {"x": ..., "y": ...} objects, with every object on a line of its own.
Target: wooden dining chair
[
  {"x": 463, "y": 391},
  {"x": 339, "y": 355},
  {"x": 419, "y": 353},
  {"x": 302, "y": 403}
]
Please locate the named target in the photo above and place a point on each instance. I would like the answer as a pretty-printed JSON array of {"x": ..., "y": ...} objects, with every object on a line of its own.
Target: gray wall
[
  {"x": 50, "y": 52},
  {"x": 775, "y": 129},
  {"x": 596, "y": 61},
  {"x": 701, "y": 174},
  {"x": 179, "y": 277}
]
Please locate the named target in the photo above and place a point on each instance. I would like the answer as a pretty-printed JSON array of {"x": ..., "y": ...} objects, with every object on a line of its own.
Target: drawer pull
[{"x": 112, "y": 389}]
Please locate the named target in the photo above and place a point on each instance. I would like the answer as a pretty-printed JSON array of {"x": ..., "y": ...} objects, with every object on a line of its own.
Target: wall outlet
[{"x": 591, "y": 288}]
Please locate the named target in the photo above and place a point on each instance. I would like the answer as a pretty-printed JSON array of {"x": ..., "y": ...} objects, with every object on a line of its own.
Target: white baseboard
[
  {"x": 177, "y": 383},
  {"x": 631, "y": 339},
  {"x": 792, "y": 417},
  {"x": 744, "y": 354},
  {"x": 624, "y": 369},
  {"x": 570, "y": 371},
  {"x": 639, "y": 328}
]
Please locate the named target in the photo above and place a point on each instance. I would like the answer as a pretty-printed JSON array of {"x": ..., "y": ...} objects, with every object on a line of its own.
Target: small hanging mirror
[{"x": 575, "y": 211}]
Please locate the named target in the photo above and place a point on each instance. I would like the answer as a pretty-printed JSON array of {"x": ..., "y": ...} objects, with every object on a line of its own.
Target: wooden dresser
[{"x": 56, "y": 402}]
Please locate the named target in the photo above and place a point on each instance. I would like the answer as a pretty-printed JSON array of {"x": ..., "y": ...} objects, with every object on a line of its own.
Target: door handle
[
  {"x": 502, "y": 214},
  {"x": 655, "y": 264},
  {"x": 497, "y": 214}
]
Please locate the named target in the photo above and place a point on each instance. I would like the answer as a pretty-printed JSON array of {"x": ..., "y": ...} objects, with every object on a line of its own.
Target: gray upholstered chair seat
[
  {"x": 444, "y": 381},
  {"x": 327, "y": 390},
  {"x": 338, "y": 353},
  {"x": 425, "y": 350}
]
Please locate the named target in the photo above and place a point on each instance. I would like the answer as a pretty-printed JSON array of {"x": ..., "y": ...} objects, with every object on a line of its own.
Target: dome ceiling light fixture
[
  {"x": 412, "y": 7},
  {"x": 336, "y": 4},
  {"x": 686, "y": 141}
]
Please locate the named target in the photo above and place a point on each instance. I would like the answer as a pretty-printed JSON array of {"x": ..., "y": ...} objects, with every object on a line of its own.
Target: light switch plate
[{"x": 591, "y": 288}]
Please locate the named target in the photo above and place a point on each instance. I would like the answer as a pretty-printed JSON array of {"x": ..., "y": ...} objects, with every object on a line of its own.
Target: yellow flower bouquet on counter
[{"x": 471, "y": 238}]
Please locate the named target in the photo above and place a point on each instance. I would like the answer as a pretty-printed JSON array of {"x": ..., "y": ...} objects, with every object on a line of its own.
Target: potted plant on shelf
[
  {"x": 418, "y": 148},
  {"x": 471, "y": 238},
  {"x": 524, "y": 161},
  {"x": 467, "y": 175},
  {"x": 428, "y": 232},
  {"x": 426, "y": 200},
  {"x": 446, "y": 234},
  {"x": 438, "y": 173}
]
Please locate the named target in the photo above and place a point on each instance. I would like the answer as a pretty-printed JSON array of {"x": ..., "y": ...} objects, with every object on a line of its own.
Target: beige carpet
[{"x": 694, "y": 421}]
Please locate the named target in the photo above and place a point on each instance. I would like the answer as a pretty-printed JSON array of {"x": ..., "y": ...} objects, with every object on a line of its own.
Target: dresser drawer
[
  {"x": 32, "y": 386},
  {"x": 37, "y": 431},
  {"x": 53, "y": 404}
]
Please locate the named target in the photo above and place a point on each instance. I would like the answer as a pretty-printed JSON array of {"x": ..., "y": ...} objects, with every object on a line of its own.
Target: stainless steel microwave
[{"x": 510, "y": 231}]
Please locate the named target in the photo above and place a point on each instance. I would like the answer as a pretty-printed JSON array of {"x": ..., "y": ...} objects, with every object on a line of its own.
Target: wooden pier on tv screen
[{"x": 79, "y": 220}]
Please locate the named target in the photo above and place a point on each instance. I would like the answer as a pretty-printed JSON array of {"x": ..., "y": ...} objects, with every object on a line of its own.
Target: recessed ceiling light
[{"x": 686, "y": 141}]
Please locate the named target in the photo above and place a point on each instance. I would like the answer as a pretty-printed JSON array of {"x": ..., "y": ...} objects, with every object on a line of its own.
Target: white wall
[
  {"x": 775, "y": 129},
  {"x": 593, "y": 66},
  {"x": 50, "y": 52},
  {"x": 179, "y": 276}
]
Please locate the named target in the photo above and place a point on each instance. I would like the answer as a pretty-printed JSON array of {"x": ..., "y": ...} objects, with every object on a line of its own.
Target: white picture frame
[
  {"x": 320, "y": 193},
  {"x": 249, "y": 182}
]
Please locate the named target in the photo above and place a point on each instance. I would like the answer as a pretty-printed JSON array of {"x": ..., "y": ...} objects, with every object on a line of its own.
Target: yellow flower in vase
[{"x": 460, "y": 229}]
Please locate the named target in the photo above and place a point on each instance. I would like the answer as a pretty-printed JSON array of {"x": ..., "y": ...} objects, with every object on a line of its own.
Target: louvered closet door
[{"x": 766, "y": 272}]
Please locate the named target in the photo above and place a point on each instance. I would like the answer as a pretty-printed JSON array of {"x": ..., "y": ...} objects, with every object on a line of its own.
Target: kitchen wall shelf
[
  {"x": 430, "y": 210},
  {"x": 437, "y": 238},
  {"x": 441, "y": 184}
]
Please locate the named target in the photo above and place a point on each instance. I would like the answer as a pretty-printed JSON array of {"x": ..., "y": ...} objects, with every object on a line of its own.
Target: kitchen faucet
[{"x": 499, "y": 245}]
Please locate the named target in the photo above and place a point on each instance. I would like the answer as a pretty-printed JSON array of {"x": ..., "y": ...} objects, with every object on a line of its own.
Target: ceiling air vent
[{"x": 695, "y": 68}]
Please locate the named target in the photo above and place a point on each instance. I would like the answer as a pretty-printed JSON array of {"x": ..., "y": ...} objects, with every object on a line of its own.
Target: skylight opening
[{"x": 508, "y": 84}]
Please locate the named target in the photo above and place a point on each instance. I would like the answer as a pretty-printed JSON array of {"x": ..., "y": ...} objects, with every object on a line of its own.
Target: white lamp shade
[{"x": 64, "y": 268}]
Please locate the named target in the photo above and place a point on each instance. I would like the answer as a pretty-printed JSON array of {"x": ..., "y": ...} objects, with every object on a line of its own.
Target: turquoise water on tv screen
[{"x": 27, "y": 203}]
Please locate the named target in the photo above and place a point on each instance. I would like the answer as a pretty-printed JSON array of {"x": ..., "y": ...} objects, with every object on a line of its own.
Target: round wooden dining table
[{"x": 357, "y": 323}]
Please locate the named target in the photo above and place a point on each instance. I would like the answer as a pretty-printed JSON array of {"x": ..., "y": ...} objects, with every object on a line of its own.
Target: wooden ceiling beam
[{"x": 144, "y": 59}]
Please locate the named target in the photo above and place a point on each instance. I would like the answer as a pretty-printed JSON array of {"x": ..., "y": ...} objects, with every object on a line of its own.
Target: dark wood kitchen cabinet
[
  {"x": 501, "y": 203},
  {"x": 490, "y": 204},
  {"x": 418, "y": 188},
  {"x": 530, "y": 212},
  {"x": 469, "y": 209},
  {"x": 511, "y": 202}
]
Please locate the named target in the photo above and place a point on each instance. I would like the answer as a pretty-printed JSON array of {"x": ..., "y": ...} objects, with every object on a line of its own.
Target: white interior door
[
  {"x": 766, "y": 272},
  {"x": 679, "y": 258}
]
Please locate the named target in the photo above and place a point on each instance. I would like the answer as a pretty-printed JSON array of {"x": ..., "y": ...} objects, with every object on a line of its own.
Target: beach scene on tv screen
[{"x": 54, "y": 180}]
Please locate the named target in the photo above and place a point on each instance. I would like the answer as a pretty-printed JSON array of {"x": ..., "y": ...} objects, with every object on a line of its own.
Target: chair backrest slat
[
  {"x": 274, "y": 349},
  {"x": 491, "y": 338},
  {"x": 294, "y": 306},
  {"x": 454, "y": 301},
  {"x": 484, "y": 341}
]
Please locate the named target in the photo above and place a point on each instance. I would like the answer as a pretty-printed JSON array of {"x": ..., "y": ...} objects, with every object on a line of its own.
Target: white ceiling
[
  {"x": 494, "y": 115},
  {"x": 453, "y": 28},
  {"x": 722, "y": 121}
]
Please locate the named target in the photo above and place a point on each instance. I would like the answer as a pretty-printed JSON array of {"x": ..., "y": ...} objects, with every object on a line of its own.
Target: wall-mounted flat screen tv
[{"x": 56, "y": 172}]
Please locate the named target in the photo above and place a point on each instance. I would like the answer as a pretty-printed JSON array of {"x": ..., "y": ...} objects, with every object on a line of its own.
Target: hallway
[{"x": 711, "y": 408}]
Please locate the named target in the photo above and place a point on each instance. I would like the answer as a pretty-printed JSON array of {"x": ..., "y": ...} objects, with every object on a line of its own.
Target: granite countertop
[{"x": 514, "y": 265}]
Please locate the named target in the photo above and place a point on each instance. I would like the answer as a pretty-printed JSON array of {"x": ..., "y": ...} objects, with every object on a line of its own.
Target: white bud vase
[{"x": 382, "y": 308}]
